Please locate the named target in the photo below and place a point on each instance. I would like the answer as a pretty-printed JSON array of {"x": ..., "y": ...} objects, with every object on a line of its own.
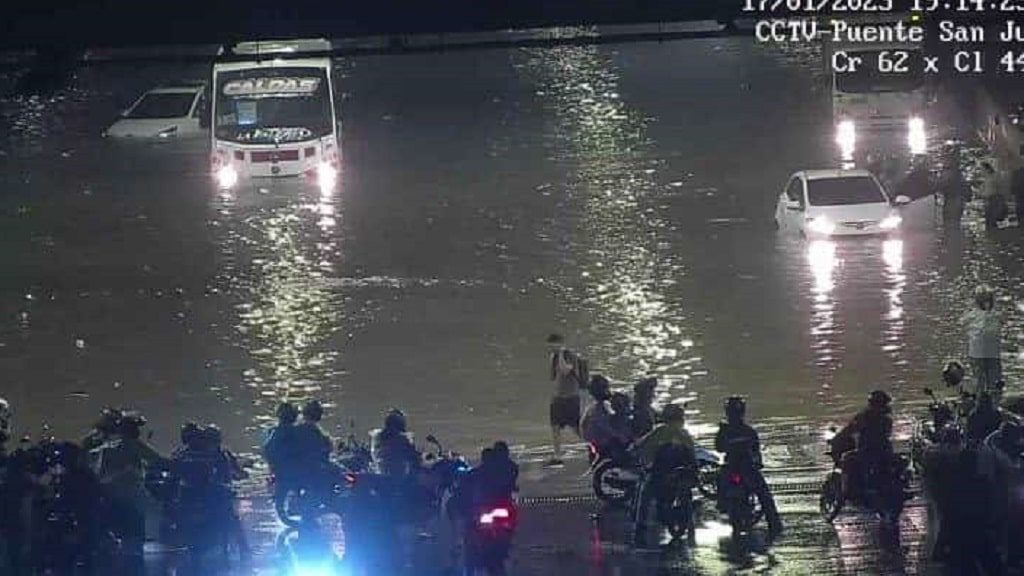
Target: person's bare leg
[{"x": 556, "y": 441}]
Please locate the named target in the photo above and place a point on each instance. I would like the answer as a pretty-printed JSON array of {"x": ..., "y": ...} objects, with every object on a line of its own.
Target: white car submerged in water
[
  {"x": 163, "y": 113},
  {"x": 826, "y": 203}
]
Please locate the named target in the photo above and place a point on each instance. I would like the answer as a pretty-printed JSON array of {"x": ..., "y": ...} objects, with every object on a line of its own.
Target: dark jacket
[
  {"x": 872, "y": 429},
  {"x": 740, "y": 443}
]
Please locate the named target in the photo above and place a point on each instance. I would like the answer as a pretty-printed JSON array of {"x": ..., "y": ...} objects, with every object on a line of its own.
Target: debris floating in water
[{"x": 79, "y": 343}]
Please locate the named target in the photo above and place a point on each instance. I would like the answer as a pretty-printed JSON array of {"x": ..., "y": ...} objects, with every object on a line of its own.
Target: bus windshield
[
  {"x": 866, "y": 77},
  {"x": 273, "y": 105}
]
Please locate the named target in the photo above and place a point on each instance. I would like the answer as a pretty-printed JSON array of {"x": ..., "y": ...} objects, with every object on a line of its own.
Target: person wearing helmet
[
  {"x": 313, "y": 443},
  {"x": 869, "y": 433},
  {"x": 122, "y": 464},
  {"x": 644, "y": 415},
  {"x": 104, "y": 430},
  {"x": 664, "y": 449},
  {"x": 569, "y": 373},
  {"x": 742, "y": 448},
  {"x": 392, "y": 447},
  {"x": 279, "y": 449},
  {"x": 984, "y": 327},
  {"x": 622, "y": 416},
  {"x": 597, "y": 425}
]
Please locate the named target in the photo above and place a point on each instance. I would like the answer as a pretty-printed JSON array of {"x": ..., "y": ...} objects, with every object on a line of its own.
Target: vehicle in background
[
  {"x": 999, "y": 118},
  {"x": 273, "y": 113},
  {"x": 874, "y": 112},
  {"x": 167, "y": 112},
  {"x": 825, "y": 203}
]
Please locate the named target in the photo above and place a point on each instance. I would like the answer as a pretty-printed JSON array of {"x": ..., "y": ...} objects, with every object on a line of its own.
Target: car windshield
[
  {"x": 866, "y": 77},
  {"x": 844, "y": 191},
  {"x": 163, "y": 105},
  {"x": 273, "y": 105}
]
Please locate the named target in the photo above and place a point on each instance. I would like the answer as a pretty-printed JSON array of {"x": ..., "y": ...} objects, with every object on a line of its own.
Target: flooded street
[{"x": 622, "y": 195}]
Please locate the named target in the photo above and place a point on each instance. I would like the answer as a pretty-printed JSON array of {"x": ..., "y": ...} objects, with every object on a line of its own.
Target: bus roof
[{"x": 261, "y": 47}]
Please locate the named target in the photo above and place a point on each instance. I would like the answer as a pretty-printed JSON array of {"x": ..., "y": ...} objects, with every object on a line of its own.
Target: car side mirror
[{"x": 901, "y": 200}]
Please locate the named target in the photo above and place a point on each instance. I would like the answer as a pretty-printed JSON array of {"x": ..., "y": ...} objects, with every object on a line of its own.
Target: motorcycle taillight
[
  {"x": 495, "y": 516},
  {"x": 736, "y": 479}
]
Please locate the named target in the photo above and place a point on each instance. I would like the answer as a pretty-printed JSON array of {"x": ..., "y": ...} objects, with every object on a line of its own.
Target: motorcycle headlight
[
  {"x": 821, "y": 225},
  {"x": 227, "y": 177},
  {"x": 891, "y": 222},
  {"x": 917, "y": 137}
]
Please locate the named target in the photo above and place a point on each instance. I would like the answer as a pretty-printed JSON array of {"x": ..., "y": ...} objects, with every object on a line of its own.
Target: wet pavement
[{"x": 621, "y": 195}]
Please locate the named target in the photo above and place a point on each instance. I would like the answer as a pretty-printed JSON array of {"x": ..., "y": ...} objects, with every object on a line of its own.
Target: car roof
[{"x": 823, "y": 174}]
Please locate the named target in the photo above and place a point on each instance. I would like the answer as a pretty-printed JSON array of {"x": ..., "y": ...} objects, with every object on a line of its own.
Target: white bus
[
  {"x": 273, "y": 114},
  {"x": 874, "y": 111}
]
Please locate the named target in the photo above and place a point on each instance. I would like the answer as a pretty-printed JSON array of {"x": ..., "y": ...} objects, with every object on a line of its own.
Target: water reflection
[
  {"x": 286, "y": 309},
  {"x": 822, "y": 260},
  {"x": 893, "y": 332},
  {"x": 614, "y": 192}
]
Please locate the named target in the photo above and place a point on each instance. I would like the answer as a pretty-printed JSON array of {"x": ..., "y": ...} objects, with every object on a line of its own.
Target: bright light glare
[
  {"x": 917, "y": 138},
  {"x": 846, "y": 137},
  {"x": 821, "y": 225},
  {"x": 891, "y": 222},
  {"x": 327, "y": 176},
  {"x": 892, "y": 254},
  {"x": 821, "y": 255},
  {"x": 314, "y": 570},
  {"x": 227, "y": 177}
]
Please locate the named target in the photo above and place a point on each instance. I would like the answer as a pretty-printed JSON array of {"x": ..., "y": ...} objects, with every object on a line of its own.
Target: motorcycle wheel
[
  {"x": 681, "y": 522},
  {"x": 609, "y": 492},
  {"x": 832, "y": 499},
  {"x": 741, "y": 517}
]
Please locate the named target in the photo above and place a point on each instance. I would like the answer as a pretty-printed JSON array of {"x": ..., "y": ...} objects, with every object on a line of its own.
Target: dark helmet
[
  {"x": 287, "y": 413},
  {"x": 395, "y": 420},
  {"x": 599, "y": 387},
  {"x": 673, "y": 413},
  {"x": 645, "y": 387},
  {"x": 131, "y": 424},
  {"x": 313, "y": 411},
  {"x": 110, "y": 420},
  {"x": 487, "y": 456},
  {"x": 189, "y": 433},
  {"x": 984, "y": 296},
  {"x": 953, "y": 373},
  {"x": 879, "y": 399},
  {"x": 501, "y": 449},
  {"x": 1012, "y": 433},
  {"x": 213, "y": 435},
  {"x": 621, "y": 403},
  {"x": 735, "y": 407}
]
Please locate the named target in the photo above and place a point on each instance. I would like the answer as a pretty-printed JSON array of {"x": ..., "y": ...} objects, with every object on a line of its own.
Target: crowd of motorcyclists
[{"x": 79, "y": 507}]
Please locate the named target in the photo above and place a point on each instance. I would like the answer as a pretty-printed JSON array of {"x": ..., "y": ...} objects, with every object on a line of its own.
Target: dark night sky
[{"x": 122, "y": 22}]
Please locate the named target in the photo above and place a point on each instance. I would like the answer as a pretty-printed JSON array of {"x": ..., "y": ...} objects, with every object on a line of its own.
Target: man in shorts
[{"x": 568, "y": 372}]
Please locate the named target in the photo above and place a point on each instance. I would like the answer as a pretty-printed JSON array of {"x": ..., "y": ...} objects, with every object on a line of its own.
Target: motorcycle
[
  {"x": 616, "y": 476},
  {"x": 488, "y": 538},
  {"x": 441, "y": 474},
  {"x": 944, "y": 425},
  {"x": 738, "y": 501},
  {"x": 883, "y": 489},
  {"x": 296, "y": 503},
  {"x": 673, "y": 503}
]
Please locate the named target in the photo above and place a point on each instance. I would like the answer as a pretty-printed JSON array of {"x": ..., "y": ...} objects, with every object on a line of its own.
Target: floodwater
[{"x": 622, "y": 195}]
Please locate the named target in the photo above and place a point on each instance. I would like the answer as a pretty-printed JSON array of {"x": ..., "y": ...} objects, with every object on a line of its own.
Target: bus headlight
[
  {"x": 326, "y": 176},
  {"x": 227, "y": 177},
  {"x": 846, "y": 138},
  {"x": 917, "y": 137}
]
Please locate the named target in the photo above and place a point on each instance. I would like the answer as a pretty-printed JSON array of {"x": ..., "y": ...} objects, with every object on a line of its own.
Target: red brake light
[
  {"x": 736, "y": 479},
  {"x": 496, "y": 514}
]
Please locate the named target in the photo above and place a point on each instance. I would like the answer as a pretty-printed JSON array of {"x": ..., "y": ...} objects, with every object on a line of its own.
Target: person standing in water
[
  {"x": 984, "y": 344},
  {"x": 569, "y": 374}
]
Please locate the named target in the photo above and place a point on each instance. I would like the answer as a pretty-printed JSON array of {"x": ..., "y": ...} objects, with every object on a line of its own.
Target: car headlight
[
  {"x": 846, "y": 137},
  {"x": 821, "y": 225},
  {"x": 891, "y": 222},
  {"x": 326, "y": 176},
  {"x": 227, "y": 177},
  {"x": 917, "y": 136}
]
